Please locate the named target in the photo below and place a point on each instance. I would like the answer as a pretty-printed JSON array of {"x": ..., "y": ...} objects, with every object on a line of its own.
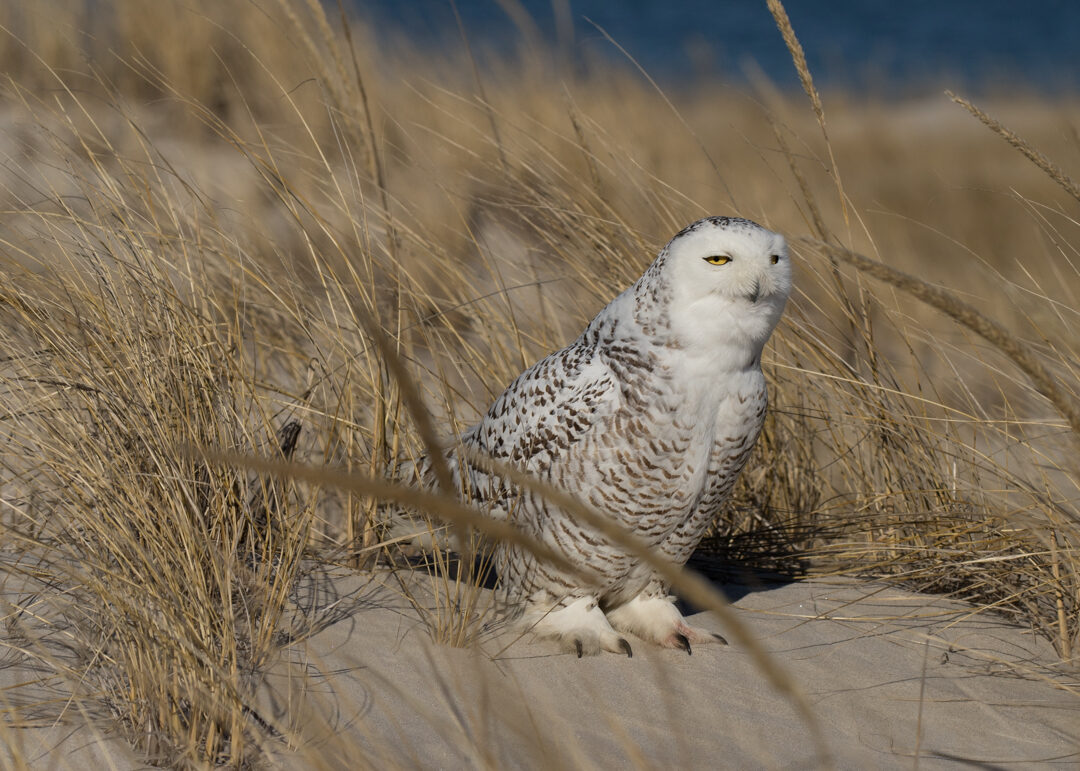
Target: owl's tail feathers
[{"x": 411, "y": 531}]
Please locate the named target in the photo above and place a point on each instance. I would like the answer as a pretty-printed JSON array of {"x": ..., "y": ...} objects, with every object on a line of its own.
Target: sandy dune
[
  {"x": 894, "y": 679},
  {"x": 890, "y": 676}
]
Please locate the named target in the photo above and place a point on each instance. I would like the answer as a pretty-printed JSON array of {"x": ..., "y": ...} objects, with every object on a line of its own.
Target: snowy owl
[{"x": 648, "y": 416}]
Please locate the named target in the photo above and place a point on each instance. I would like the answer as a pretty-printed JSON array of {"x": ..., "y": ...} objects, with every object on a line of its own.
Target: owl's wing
[{"x": 550, "y": 407}]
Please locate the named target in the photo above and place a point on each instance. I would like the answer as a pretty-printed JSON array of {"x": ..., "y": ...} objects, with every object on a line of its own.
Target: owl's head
[{"x": 729, "y": 280}]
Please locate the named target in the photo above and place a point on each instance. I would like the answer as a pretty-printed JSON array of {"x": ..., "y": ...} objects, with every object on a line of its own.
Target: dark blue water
[{"x": 872, "y": 45}]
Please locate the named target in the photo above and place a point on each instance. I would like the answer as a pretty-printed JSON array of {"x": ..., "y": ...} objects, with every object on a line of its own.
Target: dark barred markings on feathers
[{"x": 649, "y": 416}]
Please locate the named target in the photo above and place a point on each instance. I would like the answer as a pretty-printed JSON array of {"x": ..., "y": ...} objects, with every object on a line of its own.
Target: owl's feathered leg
[
  {"x": 652, "y": 616},
  {"x": 577, "y": 623}
]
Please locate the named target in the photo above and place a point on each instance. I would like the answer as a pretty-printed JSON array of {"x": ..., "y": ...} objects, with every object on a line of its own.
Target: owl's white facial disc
[{"x": 729, "y": 280}]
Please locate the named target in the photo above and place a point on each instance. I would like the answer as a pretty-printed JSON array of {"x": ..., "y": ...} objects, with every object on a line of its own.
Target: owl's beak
[{"x": 754, "y": 295}]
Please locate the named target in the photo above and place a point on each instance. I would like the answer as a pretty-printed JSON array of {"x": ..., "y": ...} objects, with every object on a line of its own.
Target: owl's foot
[
  {"x": 657, "y": 620},
  {"x": 579, "y": 626}
]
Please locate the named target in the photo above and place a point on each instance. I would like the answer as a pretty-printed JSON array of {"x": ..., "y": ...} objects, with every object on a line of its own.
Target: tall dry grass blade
[
  {"x": 817, "y": 222},
  {"x": 783, "y": 23},
  {"x": 410, "y": 395},
  {"x": 674, "y": 110},
  {"x": 1064, "y": 638},
  {"x": 965, "y": 314},
  {"x": 1049, "y": 167},
  {"x": 360, "y": 526},
  {"x": 798, "y": 56},
  {"x": 480, "y": 87},
  {"x": 378, "y": 171}
]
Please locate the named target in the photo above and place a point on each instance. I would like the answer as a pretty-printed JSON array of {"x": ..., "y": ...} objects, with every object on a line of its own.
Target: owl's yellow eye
[
  {"x": 718, "y": 259},
  {"x": 775, "y": 259}
]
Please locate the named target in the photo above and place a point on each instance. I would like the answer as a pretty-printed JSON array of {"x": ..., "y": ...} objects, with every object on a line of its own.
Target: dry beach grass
[{"x": 260, "y": 224}]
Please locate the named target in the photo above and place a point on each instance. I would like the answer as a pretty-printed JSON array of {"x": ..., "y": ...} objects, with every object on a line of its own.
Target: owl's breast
[
  {"x": 740, "y": 416},
  {"x": 646, "y": 466}
]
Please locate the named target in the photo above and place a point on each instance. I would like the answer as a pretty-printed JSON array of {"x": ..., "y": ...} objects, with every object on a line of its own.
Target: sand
[
  {"x": 894, "y": 680},
  {"x": 891, "y": 676}
]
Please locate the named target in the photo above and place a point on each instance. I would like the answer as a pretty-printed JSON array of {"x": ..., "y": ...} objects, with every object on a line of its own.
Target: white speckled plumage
[{"x": 649, "y": 416}]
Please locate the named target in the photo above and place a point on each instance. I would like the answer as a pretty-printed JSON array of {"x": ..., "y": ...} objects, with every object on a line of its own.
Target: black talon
[
  {"x": 720, "y": 639},
  {"x": 683, "y": 642},
  {"x": 626, "y": 648},
  {"x": 580, "y": 650}
]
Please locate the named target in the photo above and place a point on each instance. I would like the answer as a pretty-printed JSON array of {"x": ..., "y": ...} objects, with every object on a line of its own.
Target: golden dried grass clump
[{"x": 247, "y": 228}]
